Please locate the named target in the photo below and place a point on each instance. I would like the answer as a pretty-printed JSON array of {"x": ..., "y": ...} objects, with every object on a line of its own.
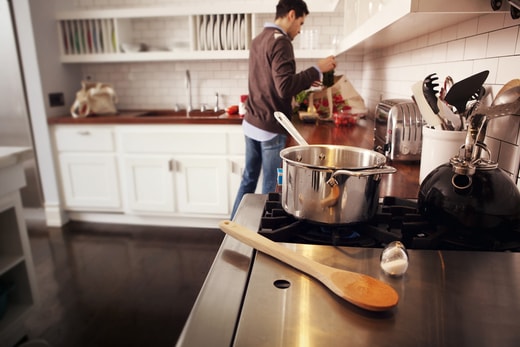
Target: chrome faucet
[
  {"x": 189, "y": 106},
  {"x": 216, "y": 102}
]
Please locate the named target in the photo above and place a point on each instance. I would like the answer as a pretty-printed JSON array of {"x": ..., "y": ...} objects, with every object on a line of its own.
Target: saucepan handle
[
  {"x": 367, "y": 172},
  {"x": 286, "y": 123},
  {"x": 332, "y": 199}
]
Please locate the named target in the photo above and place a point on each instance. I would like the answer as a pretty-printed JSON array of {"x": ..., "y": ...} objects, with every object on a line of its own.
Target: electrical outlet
[{"x": 56, "y": 99}]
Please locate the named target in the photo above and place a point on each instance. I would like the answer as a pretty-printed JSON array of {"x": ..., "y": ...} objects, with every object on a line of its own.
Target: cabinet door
[
  {"x": 149, "y": 183},
  {"x": 202, "y": 184},
  {"x": 236, "y": 168},
  {"x": 90, "y": 181},
  {"x": 237, "y": 165}
]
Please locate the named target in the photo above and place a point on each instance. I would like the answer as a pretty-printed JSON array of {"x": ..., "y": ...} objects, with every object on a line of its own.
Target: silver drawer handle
[{"x": 84, "y": 132}]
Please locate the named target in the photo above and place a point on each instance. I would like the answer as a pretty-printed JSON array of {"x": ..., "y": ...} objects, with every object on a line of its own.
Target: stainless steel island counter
[{"x": 447, "y": 298}]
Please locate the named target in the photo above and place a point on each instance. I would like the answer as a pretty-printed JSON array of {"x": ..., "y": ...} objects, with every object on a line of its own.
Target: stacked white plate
[{"x": 222, "y": 32}]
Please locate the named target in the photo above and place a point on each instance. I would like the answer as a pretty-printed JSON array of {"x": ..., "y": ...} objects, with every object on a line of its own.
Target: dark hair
[{"x": 285, "y": 6}]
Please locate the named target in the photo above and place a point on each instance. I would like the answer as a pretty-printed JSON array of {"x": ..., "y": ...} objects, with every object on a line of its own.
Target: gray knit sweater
[{"x": 273, "y": 80}]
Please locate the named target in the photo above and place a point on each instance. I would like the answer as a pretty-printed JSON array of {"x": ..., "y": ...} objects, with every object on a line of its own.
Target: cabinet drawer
[
  {"x": 90, "y": 181},
  {"x": 84, "y": 139}
]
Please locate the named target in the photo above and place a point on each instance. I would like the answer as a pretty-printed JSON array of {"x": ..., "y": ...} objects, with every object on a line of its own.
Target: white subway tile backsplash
[
  {"x": 458, "y": 69},
  {"x": 422, "y": 41},
  {"x": 455, "y": 50},
  {"x": 509, "y": 158},
  {"x": 422, "y": 56},
  {"x": 505, "y": 128},
  {"x": 502, "y": 42},
  {"x": 434, "y": 38},
  {"x": 490, "y": 22},
  {"x": 487, "y": 64},
  {"x": 508, "y": 68},
  {"x": 410, "y": 45},
  {"x": 439, "y": 53},
  {"x": 449, "y": 34},
  {"x": 493, "y": 146},
  {"x": 467, "y": 28},
  {"x": 475, "y": 47}
]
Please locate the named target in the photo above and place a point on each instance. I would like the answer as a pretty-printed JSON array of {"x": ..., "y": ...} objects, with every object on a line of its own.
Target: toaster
[{"x": 398, "y": 129}]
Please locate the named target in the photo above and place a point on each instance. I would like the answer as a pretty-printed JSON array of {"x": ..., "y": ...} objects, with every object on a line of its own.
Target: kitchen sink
[{"x": 182, "y": 113}]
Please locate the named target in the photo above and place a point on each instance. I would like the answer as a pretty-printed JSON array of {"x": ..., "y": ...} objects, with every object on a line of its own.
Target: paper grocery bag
[
  {"x": 94, "y": 98},
  {"x": 346, "y": 90}
]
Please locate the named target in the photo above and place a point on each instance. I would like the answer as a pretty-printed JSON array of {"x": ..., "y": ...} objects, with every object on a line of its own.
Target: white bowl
[
  {"x": 179, "y": 46},
  {"x": 131, "y": 47}
]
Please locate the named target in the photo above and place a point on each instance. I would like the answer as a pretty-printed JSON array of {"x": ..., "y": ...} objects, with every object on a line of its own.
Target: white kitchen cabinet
[
  {"x": 382, "y": 23},
  {"x": 178, "y": 174},
  {"x": 215, "y": 30},
  {"x": 202, "y": 186},
  {"x": 237, "y": 165},
  {"x": 177, "y": 170},
  {"x": 88, "y": 167},
  {"x": 176, "y": 184},
  {"x": 90, "y": 181},
  {"x": 148, "y": 184},
  {"x": 236, "y": 168}
]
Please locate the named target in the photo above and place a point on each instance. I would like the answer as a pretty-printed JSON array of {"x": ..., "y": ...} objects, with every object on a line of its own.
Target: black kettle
[
  {"x": 486, "y": 200},
  {"x": 471, "y": 191}
]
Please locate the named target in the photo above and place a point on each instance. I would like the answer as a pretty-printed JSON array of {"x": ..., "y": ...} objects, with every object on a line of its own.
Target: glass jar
[{"x": 394, "y": 259}]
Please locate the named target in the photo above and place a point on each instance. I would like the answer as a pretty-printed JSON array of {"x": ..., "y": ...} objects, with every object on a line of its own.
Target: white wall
[
  {"x": 41, "y": 73},
  {"x": 55, "y": 77},
  {"x": 14, "y": 121}
]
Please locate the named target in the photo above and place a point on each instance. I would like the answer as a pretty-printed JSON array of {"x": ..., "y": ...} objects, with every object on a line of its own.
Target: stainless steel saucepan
[{"x": 330, "y": 184}]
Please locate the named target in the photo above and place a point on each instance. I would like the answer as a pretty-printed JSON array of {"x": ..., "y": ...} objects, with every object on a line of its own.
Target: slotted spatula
[
  {"x": 361, "y": 290},
  {"x": 461, "y": 92}
]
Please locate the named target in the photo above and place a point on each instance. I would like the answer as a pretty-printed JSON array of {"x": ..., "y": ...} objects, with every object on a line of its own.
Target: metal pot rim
[{"x": 380, "y": 159}]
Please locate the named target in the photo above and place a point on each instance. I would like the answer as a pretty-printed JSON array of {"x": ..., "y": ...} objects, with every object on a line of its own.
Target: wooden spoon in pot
[{"x": 361, "y": 290}]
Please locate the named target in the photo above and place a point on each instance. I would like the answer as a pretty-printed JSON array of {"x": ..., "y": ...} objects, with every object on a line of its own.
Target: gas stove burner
[
  {"x": 279, "y": 226},
  {"x": 396, "y": 220},
  {"x": 309, "y": 233}
]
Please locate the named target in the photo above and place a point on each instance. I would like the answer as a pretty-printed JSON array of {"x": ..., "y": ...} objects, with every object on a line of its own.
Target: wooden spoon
[{"x": 361, "y": 290}]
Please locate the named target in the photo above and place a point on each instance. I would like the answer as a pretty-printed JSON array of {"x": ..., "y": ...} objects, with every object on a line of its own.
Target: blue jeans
[{"x": 263, "y": 156}]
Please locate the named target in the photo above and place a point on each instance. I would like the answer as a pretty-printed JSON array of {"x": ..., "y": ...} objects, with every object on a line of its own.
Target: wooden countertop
[
  {"x": 139, "y": 117},
  {"x": 404, "y": 183}
]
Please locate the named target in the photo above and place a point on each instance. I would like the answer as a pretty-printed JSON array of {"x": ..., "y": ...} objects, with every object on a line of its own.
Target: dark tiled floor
[{"x": 117, "y": 285}]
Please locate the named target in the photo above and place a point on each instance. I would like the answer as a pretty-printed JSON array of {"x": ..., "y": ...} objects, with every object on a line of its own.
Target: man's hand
[{"x": 327, "y": 64}]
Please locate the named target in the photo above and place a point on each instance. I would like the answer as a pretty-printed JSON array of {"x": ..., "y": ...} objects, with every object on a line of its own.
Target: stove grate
[{"x": 396, "y": 220}]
